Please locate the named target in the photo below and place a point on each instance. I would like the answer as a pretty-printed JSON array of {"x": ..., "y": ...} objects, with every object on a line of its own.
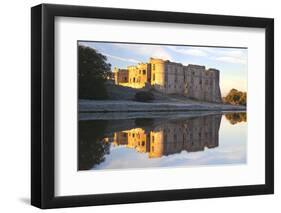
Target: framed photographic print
[{"x": 140, "y": 106}]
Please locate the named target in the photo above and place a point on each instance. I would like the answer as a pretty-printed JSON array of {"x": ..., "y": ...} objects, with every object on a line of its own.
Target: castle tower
[
  {"x": 216, "y": 92},
  {"x": 115, "y": 72},
  {"x": 157, "y": 74}
]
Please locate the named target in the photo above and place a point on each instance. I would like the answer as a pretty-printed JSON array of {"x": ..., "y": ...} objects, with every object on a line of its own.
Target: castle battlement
[{"x": 192, "y": 81}]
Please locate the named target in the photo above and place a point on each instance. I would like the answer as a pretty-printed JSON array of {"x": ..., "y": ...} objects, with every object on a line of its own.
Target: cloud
[
  {"x": 225, "y": 55},
  {"x": 193, "y": 51},
  {"x": 234, "y": 53},
  {"x": 92, "y": 45},
  {"x": 121, "y": 58},
  {"x": 233, "y": 60},
  {"x": 160, "y": 53},
  {"x": 232, "y": 56}
]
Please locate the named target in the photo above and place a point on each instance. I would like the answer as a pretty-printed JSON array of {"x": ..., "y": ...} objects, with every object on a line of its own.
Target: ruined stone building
[
  {"x": 192, "y": 81},
  {"x": 172, "y": 137}
]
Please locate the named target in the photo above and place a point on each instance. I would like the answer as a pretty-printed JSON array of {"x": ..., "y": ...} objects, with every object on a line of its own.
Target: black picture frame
[{"x": 43, "y": 102}]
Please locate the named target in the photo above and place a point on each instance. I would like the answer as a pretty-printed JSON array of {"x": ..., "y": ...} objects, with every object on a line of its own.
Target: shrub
[{"x": 144, "y": 96}]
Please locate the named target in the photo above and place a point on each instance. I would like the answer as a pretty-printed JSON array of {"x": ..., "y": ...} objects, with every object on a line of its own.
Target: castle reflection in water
[
  {"x": 171, "y": 137},
  {"x": 142, "y": 142}
]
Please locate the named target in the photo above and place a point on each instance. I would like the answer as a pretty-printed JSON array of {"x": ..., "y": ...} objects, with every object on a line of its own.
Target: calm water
[{"x": 122, "y": 141}]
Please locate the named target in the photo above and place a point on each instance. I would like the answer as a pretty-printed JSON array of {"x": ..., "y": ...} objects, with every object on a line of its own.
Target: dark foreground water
[{"x": 161, "y": 140}]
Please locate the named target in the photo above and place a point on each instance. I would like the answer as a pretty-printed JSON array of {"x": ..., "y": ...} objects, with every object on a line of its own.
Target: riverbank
[{"x": 94, "y": 106}]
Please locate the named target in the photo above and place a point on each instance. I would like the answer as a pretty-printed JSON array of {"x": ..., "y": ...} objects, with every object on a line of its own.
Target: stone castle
[{"x": 192, "y": 81}]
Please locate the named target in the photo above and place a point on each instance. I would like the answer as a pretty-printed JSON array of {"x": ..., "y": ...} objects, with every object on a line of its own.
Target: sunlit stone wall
[{"x": 134, "y": 76}]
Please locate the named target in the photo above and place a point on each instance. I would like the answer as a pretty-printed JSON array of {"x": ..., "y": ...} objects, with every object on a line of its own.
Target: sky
[{"x": 232, "y": 62}]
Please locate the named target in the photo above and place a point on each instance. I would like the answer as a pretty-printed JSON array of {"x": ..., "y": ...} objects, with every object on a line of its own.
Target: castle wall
[
  {"x": 121, "y": 76},
  {"x": 137, "y": 76},
  {"x": 195, "y": 81},
  {"x": 134, "y": 76},
  {"x": 202, "y": 84},
  {"x": 216, "y": 95},
  {"x": 174, "y": 81}
]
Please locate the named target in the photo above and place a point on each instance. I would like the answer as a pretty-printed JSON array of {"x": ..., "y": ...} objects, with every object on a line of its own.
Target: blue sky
[{"x": 232, "y": 62}]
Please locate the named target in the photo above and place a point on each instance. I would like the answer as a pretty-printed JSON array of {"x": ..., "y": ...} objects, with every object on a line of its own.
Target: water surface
[{"x": 132, "y": 140}]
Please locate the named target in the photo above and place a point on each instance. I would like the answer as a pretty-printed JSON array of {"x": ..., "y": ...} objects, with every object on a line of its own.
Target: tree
[
  {"x": 93, "y": 71},
  {"x": 236, "y": 97},
  {"x": 243, "y": 99}
]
